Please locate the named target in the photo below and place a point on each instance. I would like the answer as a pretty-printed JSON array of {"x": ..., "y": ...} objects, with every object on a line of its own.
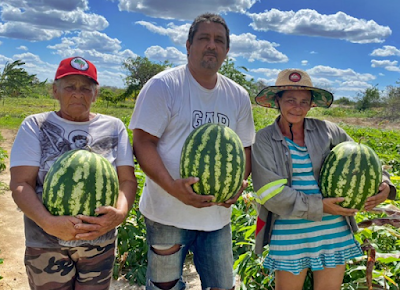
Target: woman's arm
[{"x": 22, "y": 184}]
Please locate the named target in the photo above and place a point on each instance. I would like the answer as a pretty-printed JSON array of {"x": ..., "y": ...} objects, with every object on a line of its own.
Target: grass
[{"x": 13, "y": 111}]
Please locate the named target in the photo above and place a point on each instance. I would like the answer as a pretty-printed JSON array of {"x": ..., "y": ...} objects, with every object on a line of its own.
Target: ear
[
  {"x": 55, "y": 89},
  {"x": 276, "y": 102},
  {"x": 187, "y": 47},
  {"x": 96, "y": 94}
]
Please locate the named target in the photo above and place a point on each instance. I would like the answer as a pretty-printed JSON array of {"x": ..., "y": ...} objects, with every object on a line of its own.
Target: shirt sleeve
[
  {"x": 26, "y": 150},
  {"x": 245, "y": 126},
  {"x": 272, "y": 189},
  {"x": 125, "y": 151},
  {"x": 152, "y": 110}
]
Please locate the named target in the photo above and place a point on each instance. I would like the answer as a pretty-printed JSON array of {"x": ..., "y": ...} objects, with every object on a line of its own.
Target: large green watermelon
[
  {"x": 79, "y": 182},
  {"x": 214, "y": 154},
  {"x": 353, "y": 171}
]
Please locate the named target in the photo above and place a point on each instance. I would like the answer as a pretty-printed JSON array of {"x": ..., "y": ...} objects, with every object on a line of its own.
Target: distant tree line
[{"x": 16, "y": 82}]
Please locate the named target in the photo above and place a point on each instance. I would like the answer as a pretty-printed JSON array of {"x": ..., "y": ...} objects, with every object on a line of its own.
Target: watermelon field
[{"x": 379, "y": 231}]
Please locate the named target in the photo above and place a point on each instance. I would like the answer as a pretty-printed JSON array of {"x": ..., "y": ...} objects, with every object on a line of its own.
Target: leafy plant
[{"x": 132, "y": 247}]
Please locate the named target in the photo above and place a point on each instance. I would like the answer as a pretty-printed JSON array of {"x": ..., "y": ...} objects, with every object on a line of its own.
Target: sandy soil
[{"x": 12, "y": 241}]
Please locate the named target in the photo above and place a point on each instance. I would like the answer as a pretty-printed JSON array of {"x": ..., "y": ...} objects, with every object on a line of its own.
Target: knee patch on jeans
[{"x": 164, "y": 268}]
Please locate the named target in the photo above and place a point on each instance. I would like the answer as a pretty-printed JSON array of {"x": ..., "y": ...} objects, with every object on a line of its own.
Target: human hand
[
  {"x": 234, "y": 199},
  {"x": 381, "y": 196},
  {"x": 182, "y": 190},
  {"x": 63, "y": 227},
  {"x": 330, "y": 206},
  {"x": 95, "y": 226}
]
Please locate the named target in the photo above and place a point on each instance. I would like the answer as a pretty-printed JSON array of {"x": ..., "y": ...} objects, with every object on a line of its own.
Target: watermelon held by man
[
  {"x": 214, "y": 153},
  {"x": 353, "y": 171},
  {"x": 78, "y": 182}
]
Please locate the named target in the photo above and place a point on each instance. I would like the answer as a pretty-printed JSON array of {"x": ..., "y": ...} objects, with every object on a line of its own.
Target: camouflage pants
[{"x": 86, "y": 267}]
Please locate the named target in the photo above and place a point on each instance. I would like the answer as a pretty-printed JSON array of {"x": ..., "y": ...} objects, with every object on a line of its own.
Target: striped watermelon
[
  {"x": 214, "y": 154},
  {"x": 79, "y": 182},
  {"x": 353, "y": 171}
]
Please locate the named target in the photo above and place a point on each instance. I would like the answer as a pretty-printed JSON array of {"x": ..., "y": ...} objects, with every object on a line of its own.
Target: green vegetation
[
  {"x": 140, "y": 70},
  {"x": 131, "y": 261},
  {"x": 16, "y": 82}
]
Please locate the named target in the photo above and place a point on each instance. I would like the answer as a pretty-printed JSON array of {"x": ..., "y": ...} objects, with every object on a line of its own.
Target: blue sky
[{"x": 345, "y": 45}]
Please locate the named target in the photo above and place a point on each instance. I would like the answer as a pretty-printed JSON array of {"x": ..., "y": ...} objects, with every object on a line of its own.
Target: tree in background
[
  {"x": 343, "y": 101},
  {"x": 368, "y": 99},
  {"x": 392, "y": 100},
  {"x": 140, "y": 70},
  {"x": 229, "y": 70},
  {"x": 15, "y": 80}
]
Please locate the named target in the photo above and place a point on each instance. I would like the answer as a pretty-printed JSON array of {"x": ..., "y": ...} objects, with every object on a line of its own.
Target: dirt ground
[{"x": 12, "y": 240}]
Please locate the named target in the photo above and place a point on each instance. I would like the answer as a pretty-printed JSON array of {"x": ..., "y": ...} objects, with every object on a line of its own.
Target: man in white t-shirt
[{"x": 169, "y": 107}]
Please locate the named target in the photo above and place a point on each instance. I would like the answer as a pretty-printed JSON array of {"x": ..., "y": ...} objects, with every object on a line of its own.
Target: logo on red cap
[
  {"x": 79, "y": 63},
  {"x": 295, "y": 77}
]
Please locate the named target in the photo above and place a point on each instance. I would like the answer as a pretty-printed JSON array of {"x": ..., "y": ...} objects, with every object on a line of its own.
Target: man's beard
[{"x": 208, "y": 62}]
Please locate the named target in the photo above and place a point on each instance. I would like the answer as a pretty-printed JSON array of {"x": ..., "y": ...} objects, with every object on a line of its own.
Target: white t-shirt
[
  {"x": 44, "y": 137},
  {"x": 170, "y": 106}
]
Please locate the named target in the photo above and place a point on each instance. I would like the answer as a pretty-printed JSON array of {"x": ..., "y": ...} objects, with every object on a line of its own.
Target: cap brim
[
  {"x": 266, "y": 97},
  {"x": 76, "y": 73}
]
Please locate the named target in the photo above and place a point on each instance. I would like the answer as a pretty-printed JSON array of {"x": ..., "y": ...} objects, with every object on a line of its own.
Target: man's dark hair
[{"x": 208, "y": 17}]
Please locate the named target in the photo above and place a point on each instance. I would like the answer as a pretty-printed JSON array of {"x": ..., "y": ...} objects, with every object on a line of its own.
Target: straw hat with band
[{"x": 293, "y": 79}]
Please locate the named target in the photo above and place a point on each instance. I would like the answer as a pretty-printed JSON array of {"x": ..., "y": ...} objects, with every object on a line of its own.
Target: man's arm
[{"x": 145, "y": 149}]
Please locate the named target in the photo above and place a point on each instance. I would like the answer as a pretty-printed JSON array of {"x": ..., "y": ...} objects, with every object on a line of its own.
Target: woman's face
[
  {"x": 294, "y": 105},
  {"x": 75, "y": 94}
]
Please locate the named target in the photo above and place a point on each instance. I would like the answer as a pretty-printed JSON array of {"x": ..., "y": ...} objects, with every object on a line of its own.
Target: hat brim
[{"x": 266, "y": 97}]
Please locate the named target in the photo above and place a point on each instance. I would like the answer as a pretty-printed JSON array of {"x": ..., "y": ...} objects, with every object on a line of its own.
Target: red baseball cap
[{"x": 76, "y": 66}]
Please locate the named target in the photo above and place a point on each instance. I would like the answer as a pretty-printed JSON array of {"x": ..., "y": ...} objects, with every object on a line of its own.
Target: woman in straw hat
[{"x": 303, "y": 230}]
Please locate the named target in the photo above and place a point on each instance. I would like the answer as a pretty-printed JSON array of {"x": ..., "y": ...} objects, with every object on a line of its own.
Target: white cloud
[
  {"x": 386, "y": 64},
  {"x": 4, "y": 59},
  {"x": 304, "y": 62},
  {"x": 30, "y": 59},
  {"x": 108, "y": 78},
  {"x": 266, "y": 82},
  {"x": 171, "y": 54},
  {"x": 268, "y": 72},
  {"x": 245, "y": 45},
  {"x": 22, "y": 47},
  {"x": 177, "y": 33},
  {"x": 97, "y": 47},
  {"x": 344, "y": 74},
  {"x": 248, "y": 46},
  {"x": 383, "y": 63},
  {"x": 27, "y": 32},
  {"x": 310, "y": 23},
  {"x": 43, "y": 20},
  {"x": 386, "y": 51},
  {"x": 183, "y": 10},
  {"x": 42, "y": 5}
]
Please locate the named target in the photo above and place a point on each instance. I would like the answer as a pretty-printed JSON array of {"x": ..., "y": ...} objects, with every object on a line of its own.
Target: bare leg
[
  {"x": 288, "y": 281},
  {"x": 329, "y": 278}
]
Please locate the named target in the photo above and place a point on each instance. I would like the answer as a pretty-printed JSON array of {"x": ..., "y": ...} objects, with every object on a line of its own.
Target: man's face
[{"x": 209, "y": 47}]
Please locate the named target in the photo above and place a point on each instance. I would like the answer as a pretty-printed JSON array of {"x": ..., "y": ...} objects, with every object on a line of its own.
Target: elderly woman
[
  {"x": 303, "y": 230},
  {"x": 70, "y": 252}
]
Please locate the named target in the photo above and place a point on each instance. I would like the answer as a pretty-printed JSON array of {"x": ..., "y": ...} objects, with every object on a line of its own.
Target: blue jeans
[{"x": 212, "y": 255}]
